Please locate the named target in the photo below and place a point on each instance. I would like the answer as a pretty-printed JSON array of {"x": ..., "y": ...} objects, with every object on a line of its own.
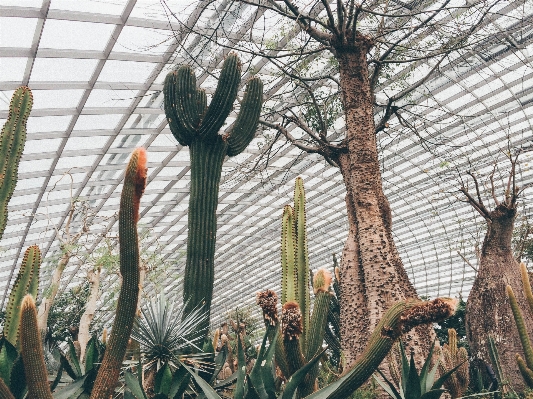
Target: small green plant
[{"x": 412, "y": 384}]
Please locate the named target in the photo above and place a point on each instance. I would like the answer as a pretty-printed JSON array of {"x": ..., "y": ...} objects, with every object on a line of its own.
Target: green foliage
[
  {"x": 164, "y": 335},
  {"x": 66, "y": 311},
  {"x": 197, "y": 126},
  {"x": 412, "y": 384},
  {"x": 457, "y": 322}
]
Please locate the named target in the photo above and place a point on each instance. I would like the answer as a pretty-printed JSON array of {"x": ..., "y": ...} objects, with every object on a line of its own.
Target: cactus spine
[
  {"x": 452, "y": 356},
  {"x": 525, "y": 367},
  {"x": 32, "y": 352},
  {"x": 197, "y": 126},
  {"x": 134, "y": 183},
  {"x": 12, "y": 143},
  {"x": 27, "y": 281},
  {"x": 295, "y": 293}
]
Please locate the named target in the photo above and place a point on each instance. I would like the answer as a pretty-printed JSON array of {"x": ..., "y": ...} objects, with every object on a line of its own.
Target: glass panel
[
  {"x": 126, "y": 71},
  {"x": 17, "y": 32},
  {"x": 62, "y": 69},
  {"x": 13, "y": 68},
  {"x": 56, "y": 98},
  {"x": 61, "y": 34},
  {"x": 111, "y": 7}
]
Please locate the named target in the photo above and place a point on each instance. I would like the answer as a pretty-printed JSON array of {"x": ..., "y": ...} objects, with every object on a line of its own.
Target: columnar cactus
[
  {"x": 525, "y": 367},
  {"x": 12, "y": 143},
  {"x": 451, "y": 357},
  {"x": 295, "y": 295},
  {"x": 134, "y": 183},
  {"x": 32, "y": 352},
  {"x": 27, "y": 281},
  {"x": 197, "y": 126}
]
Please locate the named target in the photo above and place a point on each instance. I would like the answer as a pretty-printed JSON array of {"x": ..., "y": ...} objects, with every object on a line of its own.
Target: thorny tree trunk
[
  {"x": 90, "y": 308},
  {"x": 488, "y": 310},
  {"x": 50, "y": 293},
  {"x": 372, "y": 273}
]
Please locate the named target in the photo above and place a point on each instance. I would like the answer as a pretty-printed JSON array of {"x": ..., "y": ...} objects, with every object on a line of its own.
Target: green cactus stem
[
  {"x": 24, "y": 284},
  {"x": 399, "y": 319},
  {"x": 317, "y": 327},
  {"x": 527, "y": 285},
  {"x": 12, "y": 142},
  {"x": 289, "y": 282},
  {"x": 134, "y": 183},
  {"x": 32, "y": 352},
  {"x": 522, "y": 332},
  {"x": 197, "y": 126},
  {"x": 451, "y": 357}
]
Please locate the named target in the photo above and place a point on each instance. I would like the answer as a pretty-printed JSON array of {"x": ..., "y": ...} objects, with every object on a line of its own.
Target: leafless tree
[{"x": 339, "y": 73}]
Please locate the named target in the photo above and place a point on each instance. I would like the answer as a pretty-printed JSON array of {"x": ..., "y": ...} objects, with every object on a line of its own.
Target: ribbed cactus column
[
  {"x": 27, "y": 282},
  {"x": 134, "y": 183},
  {"x": 32, "y": 352},
  {"x": 197, "y": 126},
  {"x": 12, "y": 143}
]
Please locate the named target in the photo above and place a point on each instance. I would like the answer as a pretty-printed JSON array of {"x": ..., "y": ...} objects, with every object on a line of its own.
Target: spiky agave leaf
[{"x": 163, "y": 335}]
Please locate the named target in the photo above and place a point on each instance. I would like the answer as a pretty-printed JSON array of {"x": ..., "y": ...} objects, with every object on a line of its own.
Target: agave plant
[
  {"x": 413, "y": 385},
  {"x": 162, "y": 334}
]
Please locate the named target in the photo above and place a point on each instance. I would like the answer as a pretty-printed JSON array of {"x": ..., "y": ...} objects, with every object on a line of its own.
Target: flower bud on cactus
[
  {"x": 321, "y": 281},
  {"x": 268, "y": 301},
  {"x": 291, "y": 321}
]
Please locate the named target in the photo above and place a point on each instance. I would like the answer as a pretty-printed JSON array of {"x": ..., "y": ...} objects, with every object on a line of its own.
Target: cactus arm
[
  {"x": 134, "y": 183},
  {"x": 171, "y": 102},
  {"x": 186, "y": 101},
  {"x": 317, "y": 325},
  {"x": 201, "y": 102},
  {"x": 520, "y": 325},
  {"x": 302, "y": 258},
  {"x": 33, "y": 286},
  {"x": 222, "y": 101},
  {"x": 19, "y": 290},
  {"x": 12, "y": 142},
  {"x": 526, "y": 372},
  {"x": 288, "y": 268},
  {"x": 527, "y": 286},
  {"x": 32, "y": 352},
  {"x": 246, "y": 124},
  {"x": 399, "y": 319},
  {"x": 280, "y": 355}
]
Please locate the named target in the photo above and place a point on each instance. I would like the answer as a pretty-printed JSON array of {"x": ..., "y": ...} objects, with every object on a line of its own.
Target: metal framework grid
[{"x": 97, "y": 79}]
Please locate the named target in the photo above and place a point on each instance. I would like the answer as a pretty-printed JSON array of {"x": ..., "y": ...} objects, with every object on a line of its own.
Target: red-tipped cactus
[{"x": 134, "y": 183}]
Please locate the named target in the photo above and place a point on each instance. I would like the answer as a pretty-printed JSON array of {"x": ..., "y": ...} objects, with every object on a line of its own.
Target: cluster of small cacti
[
  {"x": 525, "y": 366},
  {"x": 196, "y": 125},
  {"x": 451, "y": 356}
]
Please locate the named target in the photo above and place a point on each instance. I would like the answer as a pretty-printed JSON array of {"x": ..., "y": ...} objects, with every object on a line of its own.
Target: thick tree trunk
[
  {"x": 372, "y": 273},
  {"x": 488, "y": 310},
  {"x": 50, "y": 294},
  {"x": 87, "y": 317}
]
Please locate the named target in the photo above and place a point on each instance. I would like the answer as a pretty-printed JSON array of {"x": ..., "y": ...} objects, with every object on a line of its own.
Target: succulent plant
[
  {"x": 12, "y": 142},
  {"x": 197, "y": 126},
  {"x": 134, "y": 184}
]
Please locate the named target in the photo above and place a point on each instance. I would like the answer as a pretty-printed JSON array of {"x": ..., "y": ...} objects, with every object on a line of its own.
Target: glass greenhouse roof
[{"x": 96, "y": 69}]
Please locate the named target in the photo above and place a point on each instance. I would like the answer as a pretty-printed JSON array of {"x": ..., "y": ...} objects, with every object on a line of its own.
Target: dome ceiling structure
[{"x": 96, "y": 69}]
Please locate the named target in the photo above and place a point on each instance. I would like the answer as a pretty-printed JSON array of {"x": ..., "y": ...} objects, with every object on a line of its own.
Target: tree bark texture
[
  {"x": 488, "y": 310},
  {"x": 90, "y": 307},
  {"x": 48, "y": 298},
  {"x": 372, "y": 273}
]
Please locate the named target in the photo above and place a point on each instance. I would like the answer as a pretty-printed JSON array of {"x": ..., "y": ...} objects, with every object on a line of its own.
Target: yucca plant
[
  {"x": 164, "y": 337},
  {"x": 413, "y": 385}
]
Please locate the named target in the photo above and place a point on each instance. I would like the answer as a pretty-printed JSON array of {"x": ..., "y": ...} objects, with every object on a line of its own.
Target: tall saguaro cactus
[
  {"x": 196, "y": 125},
  {"x": 134, "y": 183},
  {"x": 12, "y": 143}
]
